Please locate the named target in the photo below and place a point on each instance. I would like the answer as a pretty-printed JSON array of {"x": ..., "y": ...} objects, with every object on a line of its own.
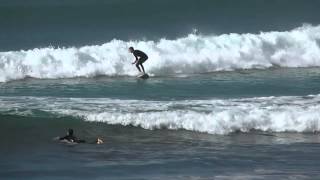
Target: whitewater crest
[
  {"x": 191, "y": 54},
  {"x": 274, "y": 114}
]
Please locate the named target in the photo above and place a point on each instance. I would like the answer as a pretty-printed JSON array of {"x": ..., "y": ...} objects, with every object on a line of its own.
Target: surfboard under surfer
[{"x": 140, "y": 56}]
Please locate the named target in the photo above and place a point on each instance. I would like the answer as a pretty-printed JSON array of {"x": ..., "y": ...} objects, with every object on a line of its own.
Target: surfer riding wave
[{"x": 140, "y": 56}]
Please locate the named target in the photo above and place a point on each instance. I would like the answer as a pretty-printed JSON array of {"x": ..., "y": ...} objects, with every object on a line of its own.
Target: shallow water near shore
[
  {"x": 164, "y": 127},
  {"x": 134, "y": 153}
]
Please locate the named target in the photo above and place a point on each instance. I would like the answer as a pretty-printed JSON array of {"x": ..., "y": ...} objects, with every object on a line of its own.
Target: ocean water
[{"x": 233, "y": 91}]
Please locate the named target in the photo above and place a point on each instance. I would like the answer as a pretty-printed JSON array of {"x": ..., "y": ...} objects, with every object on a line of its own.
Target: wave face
[
  {"x": 275, "y": 114},
  {"x": 191, "y": 54}
]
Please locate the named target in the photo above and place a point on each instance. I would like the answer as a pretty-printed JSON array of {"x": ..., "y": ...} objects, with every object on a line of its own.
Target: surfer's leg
[
  {"x": 137, "y": 65},
  {"x": 142, "y": 60},
  {"x": 142, "y": 68}
]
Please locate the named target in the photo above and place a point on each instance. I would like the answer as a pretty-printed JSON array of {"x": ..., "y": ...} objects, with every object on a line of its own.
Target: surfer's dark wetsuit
[
  {"x": 141, "y": 57},
  {"x": 69, "y": 137}
]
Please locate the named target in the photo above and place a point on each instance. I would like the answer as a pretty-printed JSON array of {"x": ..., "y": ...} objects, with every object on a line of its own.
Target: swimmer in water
[{"x": 71, "y": 138}]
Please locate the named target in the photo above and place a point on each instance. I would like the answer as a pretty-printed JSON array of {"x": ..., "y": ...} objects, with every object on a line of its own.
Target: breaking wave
[
  {"x": 274, "y": 114},
  {"x": 191, "y": 54}
]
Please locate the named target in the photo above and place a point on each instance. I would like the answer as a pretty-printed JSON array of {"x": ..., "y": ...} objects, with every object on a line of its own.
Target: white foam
[
  {"x": 191, "y": 54},
  {"x": 276, "y": 114}
]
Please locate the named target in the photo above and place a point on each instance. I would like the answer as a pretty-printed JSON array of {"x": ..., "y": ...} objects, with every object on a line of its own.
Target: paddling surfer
[{"x": 70, "y": 138}]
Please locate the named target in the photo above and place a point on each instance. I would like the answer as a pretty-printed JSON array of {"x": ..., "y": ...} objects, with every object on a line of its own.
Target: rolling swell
[
  {"x": 274, "y": 114},
  {"x": 191, "y": 54}
]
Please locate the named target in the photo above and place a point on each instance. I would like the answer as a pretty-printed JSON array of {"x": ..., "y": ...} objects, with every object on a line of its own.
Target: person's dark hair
[
  {"x": 70, "y": 131},
  {"x": 131, "y": 48}
]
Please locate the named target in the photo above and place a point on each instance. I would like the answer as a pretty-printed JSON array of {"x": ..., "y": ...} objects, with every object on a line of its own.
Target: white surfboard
[
  {"x": 68, "y": 142},
  {"x": 143, "y": 76}
]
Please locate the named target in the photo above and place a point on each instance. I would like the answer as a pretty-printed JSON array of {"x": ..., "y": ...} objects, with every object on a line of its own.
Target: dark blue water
[
  {"x": 38, "y": 23},
  {"x": 134, "y": 153}
]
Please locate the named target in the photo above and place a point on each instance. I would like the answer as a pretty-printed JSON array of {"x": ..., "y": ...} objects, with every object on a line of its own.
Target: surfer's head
[
  {"x": 70, "y": 132},
  {"x": 131, "y": 49}
]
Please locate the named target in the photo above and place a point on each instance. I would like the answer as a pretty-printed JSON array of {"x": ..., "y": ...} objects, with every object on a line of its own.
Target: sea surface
[{"x": 233, "y": 93}]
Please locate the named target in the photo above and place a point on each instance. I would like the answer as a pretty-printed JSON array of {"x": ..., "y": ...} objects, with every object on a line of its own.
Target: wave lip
[
  {"x": 192, "y": 54},
  {"x": 274, "y": 114}
]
